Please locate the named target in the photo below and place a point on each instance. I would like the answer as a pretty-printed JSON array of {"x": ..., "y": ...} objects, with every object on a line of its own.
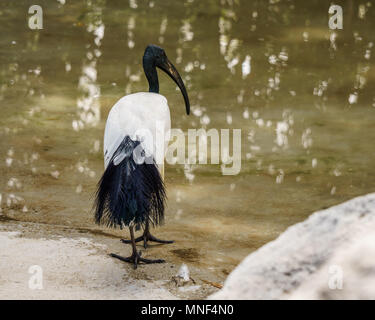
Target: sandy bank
[{"x": 77, "y": 266}]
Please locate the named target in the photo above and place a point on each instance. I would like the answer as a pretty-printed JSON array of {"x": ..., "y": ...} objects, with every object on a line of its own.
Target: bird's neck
[
  {"x": 153, "y": 82},
  {"x": 151, "y": 75}
]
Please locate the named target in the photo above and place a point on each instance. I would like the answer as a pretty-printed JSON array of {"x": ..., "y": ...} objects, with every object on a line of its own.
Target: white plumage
[{"x": 135, "y": 115}]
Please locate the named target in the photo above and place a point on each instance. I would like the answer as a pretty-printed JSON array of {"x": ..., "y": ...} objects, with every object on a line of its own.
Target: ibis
[{"x": 131, "y": 192}]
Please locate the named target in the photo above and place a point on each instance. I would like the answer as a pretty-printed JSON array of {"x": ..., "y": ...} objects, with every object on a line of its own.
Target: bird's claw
[
  {"x": 136, "y": 258},
  {"x": 146, "y": 237}
]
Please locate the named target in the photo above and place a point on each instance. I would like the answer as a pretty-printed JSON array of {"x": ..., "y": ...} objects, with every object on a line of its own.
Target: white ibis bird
[{"x": 131, "y": 192}]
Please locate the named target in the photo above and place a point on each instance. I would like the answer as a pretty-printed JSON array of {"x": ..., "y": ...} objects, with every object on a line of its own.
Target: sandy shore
[{"x": 75, "y": 265}]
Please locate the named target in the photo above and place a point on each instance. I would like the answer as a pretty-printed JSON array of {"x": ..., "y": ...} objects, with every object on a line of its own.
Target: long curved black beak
[{"x": 170, "y": 70}]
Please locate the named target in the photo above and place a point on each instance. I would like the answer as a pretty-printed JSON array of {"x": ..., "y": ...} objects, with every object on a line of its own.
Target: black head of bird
[{"x": 155, "y": 56}]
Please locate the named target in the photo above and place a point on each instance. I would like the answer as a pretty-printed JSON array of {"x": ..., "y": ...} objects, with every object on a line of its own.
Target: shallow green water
[{"x": 302, "y": 94}]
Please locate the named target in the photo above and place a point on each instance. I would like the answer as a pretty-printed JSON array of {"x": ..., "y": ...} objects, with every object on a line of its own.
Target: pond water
[{"x": 302, "y": 94}]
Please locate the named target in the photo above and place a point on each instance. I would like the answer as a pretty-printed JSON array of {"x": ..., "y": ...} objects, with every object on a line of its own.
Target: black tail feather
[{"x": 130, "y": 192}]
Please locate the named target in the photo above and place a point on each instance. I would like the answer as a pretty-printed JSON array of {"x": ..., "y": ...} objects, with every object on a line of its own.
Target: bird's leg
[
  {"x": 135, "y": 258},
  {"x": 147, "y": 236}
]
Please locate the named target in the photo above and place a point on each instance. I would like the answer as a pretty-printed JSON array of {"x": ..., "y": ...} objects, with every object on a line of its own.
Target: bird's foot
[
  {"x": 147, "y": 236},
  {"x": 136, "y": 258}
]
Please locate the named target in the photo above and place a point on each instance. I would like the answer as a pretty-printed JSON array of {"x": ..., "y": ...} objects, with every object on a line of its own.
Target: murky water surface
[{"x": 303, "y": 96}]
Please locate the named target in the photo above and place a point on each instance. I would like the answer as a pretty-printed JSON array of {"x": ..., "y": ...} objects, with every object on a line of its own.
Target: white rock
[
  {"x": 349, "y": 274},
  {"x": 302, "y": 257},
  {"x": 184, "y": 273}
]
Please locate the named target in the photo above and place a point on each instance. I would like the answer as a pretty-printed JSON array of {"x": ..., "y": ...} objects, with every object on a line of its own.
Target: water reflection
[
  {"x": 301, "y": 93},
  {"x": 88, "y": 103}
]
